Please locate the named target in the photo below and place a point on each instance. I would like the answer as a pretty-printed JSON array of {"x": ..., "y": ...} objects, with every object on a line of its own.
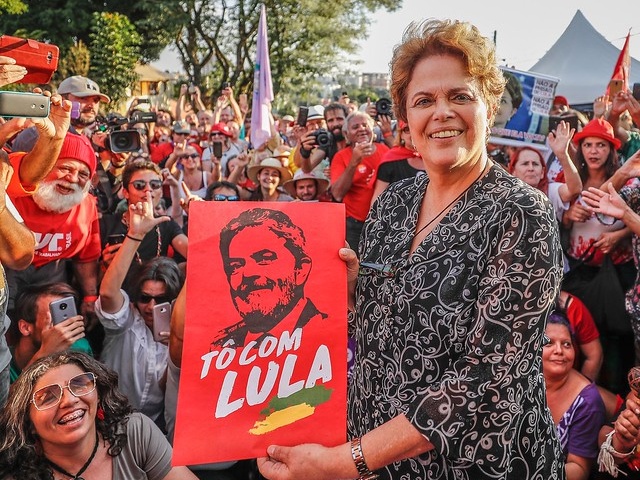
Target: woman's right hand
[{"x": 109, "y": 253}]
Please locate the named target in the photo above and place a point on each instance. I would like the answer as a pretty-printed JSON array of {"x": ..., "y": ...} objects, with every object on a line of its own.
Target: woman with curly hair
[{"x": 65, "y": 418}]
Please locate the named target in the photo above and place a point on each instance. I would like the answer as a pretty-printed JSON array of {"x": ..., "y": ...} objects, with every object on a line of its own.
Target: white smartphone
[
  {"x": 161, "y": 319},
  {"x": 62, "y": 309}
]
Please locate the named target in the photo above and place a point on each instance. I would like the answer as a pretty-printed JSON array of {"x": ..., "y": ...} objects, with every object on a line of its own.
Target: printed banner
[
  {"x": 265, "y": 346},
  {"x": 523, "y": 116}
]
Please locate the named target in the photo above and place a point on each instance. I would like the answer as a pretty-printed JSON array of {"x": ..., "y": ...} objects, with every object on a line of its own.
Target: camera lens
[
  {"x": 63, "y": 306},
  {"x": 383, "y": 106},
  {"x": 124, "y": 141}
]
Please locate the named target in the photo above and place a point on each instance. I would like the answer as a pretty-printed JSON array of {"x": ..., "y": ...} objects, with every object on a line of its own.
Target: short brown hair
[
  {"x": 136, "y": 166},
  {"x": 446, "y": 37}
]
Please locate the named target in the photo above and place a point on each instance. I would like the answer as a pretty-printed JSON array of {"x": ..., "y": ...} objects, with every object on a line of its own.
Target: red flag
[{"x": 621, "y": 70}]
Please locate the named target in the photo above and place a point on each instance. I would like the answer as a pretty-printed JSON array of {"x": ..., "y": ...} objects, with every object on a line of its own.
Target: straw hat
[
  {"x": 321, "y": 182},
  {"x": 270, "y": 162}
]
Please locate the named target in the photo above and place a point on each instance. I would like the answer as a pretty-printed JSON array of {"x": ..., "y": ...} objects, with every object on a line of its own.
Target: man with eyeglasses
[{"x": 138, "y": 178}]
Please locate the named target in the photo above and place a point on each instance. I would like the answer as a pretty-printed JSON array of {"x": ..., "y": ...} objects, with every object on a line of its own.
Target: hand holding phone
[
  {"x": 615, "y": 86},
  {"x": 115, "y": 239},
  {"x": 62, "y": 309},
  {"x": 161, "y": 322},
  {"x": 217, "y": 149}
]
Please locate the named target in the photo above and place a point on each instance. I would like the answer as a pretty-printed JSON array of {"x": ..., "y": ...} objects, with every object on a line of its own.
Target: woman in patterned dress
[{"x": 458, "y": 271}]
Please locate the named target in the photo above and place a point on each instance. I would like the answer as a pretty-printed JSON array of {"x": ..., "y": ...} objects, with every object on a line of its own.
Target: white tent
[{"x": 583, "y": 60}]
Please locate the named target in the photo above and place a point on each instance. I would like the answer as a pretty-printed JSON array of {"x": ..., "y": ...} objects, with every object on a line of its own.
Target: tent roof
[
  {"x": 583, "y": 60},
  {"x": 149, "y": 73}
]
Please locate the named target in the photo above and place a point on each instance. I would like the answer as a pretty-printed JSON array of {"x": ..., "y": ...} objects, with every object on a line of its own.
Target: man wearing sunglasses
[{"x": 138, "y": 178}]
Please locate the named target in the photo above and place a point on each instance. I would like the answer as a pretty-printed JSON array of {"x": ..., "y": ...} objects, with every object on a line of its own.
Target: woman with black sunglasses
[
  {"x": 130, "y": 346},
  {"x": 65, "y": 418}
]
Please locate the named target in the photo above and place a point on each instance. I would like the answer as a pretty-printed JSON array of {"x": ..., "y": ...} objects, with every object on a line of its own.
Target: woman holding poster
[{"x": 458, "y": 271}]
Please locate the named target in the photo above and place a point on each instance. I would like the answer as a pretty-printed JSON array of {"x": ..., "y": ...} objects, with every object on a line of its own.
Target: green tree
[
  {"x": 13, "y": 7},
  {"x": 75, "y": 62},
  {"x": 114, "y": 53},
  {"x": 306, "y": 38}
]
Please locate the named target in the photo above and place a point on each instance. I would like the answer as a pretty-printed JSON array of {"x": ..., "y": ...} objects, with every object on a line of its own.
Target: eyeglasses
[
  {"x": 218, "y": 197},
  {"x": 50, "y": 396},
  {"x": 183, "y": 157},
  {"x": 216, "y": 134},
  {"x": 145, "y": 298},
  {"x": 180, "y": 133},
  {"x": 141, "y": 184}
]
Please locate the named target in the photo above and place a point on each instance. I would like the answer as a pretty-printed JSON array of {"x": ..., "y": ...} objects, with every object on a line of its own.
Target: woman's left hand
[
  {"x": 308, "y": 461},
  {"x": 141, "y": 219}
]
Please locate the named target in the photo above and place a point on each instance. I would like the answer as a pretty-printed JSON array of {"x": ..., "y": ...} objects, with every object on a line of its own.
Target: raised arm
[
  {"x": 559, "y": 141},
  {"x": 141, "y": 221}
]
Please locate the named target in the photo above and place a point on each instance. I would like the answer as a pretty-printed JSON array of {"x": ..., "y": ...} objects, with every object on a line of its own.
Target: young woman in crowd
[
  {"x": 269, "y": 175},
  {"x": 575, "y": 403},
  {"x": 65, "y": 418}
]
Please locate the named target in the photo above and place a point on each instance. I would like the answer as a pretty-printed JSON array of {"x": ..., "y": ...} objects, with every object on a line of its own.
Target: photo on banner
[
  {"x": 523, "y": 115},
  {"x": 265, "y": 344}
]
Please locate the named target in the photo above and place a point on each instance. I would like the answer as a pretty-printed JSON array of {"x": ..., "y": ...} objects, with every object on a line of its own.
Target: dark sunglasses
[
  {"x": 180, "y": 133},
  {"x": 193, "y": 155},
  {"x": 144, "y": 298},
  {"x": 141, "y": 184},
  {"x": 218, "y": 197}
]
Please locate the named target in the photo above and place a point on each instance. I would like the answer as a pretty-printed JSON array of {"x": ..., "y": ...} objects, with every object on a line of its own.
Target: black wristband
[{"x": 304, "y": 153}]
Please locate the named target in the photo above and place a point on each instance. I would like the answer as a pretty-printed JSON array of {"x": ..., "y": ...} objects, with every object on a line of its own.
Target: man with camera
[{"x": 322, "y": 143}]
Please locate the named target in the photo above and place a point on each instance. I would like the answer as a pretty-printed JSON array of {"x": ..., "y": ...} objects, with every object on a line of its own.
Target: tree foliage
[
  {"x": 114, "y": 53},
  {"x": 13, "y": 7},
  {"x": 307, "y": 38},
  {"x": 76, "y": 62}
]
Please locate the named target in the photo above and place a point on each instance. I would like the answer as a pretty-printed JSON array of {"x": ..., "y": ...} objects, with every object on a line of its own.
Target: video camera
[{"x": 127, "y": 140}]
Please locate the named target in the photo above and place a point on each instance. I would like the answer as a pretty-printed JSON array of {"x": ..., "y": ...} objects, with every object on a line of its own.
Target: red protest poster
[{"x": 265, "y": 346}]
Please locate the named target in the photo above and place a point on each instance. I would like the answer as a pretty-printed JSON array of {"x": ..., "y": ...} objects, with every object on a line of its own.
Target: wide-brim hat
[
  {"x": 80, "y": 86},
  {"x": 599, "y": 128},
  {"x": 321, "y": 182},
  {"x": 270, "y": 162}
]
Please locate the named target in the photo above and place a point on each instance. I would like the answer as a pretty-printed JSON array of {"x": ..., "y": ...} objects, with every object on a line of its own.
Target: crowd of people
[{"x": 494, "y": 299}]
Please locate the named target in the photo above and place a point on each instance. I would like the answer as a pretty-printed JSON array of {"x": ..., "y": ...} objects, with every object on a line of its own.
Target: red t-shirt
[
  {"x": 73, "y": 234},
  {"x": 582, "y": 321},
  {"x": 358, "y": 199}
]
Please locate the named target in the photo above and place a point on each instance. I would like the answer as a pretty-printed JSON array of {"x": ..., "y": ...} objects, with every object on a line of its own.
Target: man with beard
[
  {"x": 311, "y": 154},
  {"x": 267, "y": 267},
  {"x": 78, "y": 89},
  {"x": 64, "y": 220}
]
